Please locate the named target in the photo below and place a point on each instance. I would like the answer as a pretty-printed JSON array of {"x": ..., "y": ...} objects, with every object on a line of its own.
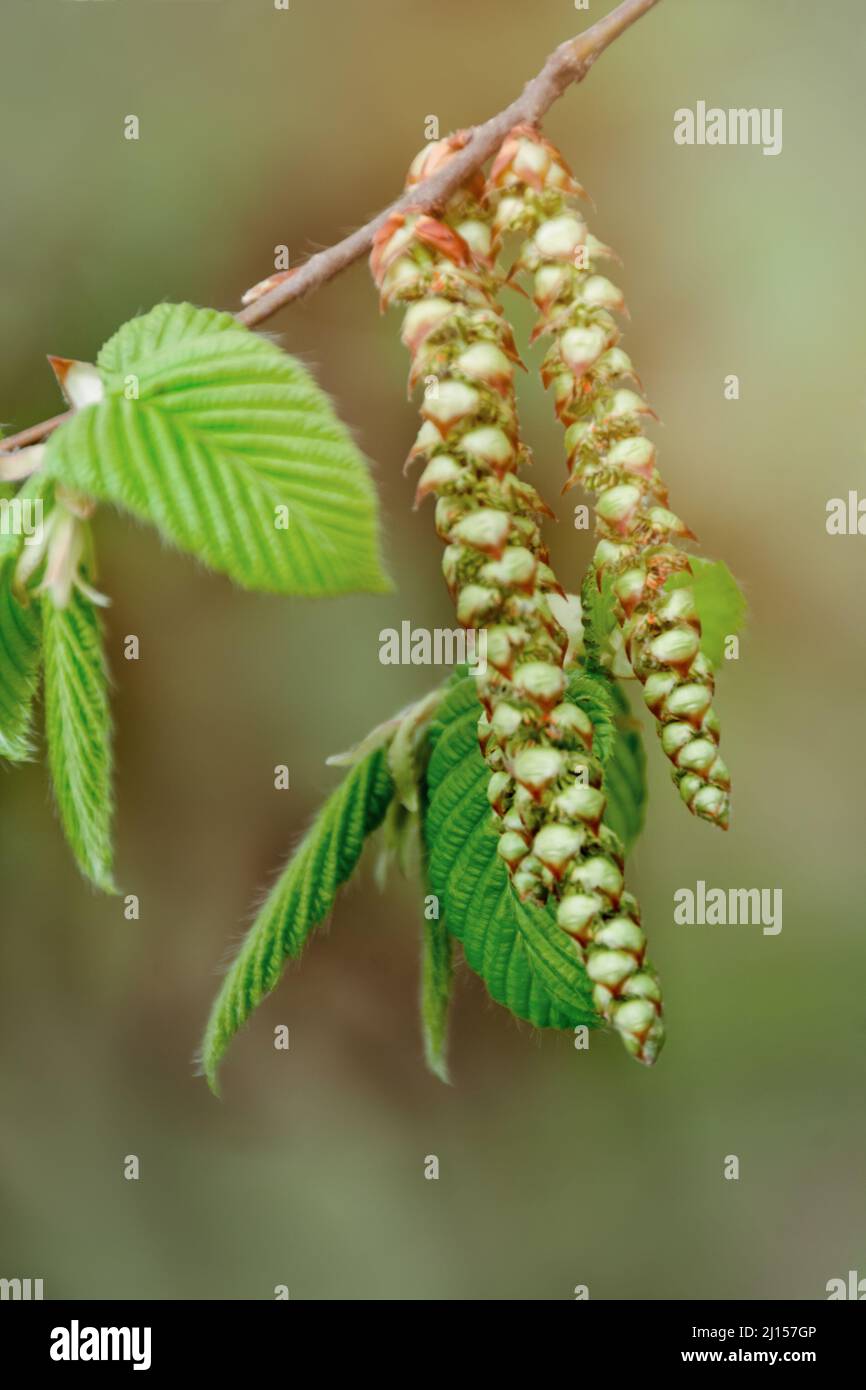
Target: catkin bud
[
  {"x": 530, "y": 188},
  {"x": 546, "y": 785}
]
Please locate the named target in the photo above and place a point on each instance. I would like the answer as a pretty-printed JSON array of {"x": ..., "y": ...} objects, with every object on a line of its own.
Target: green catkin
[
  {"x": 531, "y": 189},
  {"x": 546, "y": 784}
]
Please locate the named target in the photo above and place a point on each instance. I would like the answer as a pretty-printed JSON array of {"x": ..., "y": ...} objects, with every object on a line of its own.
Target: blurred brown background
[{"x": 557, "y": 1167}]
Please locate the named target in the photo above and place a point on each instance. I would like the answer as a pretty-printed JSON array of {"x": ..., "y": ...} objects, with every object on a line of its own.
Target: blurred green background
[{"x": 558, "y": 1167}]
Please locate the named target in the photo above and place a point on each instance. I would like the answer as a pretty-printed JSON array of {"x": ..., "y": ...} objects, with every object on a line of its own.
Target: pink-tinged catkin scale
[
  {"x": 531, "y": 190},
  {"x": 545, "y": 787}
]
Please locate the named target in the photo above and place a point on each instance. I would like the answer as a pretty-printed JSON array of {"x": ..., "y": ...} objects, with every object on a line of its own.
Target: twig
[{"x": 566, "y": 65}]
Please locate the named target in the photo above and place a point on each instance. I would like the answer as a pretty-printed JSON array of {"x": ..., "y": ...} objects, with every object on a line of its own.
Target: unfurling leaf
[
  {"x": 436, "y": 981},
  {"x": 625, "y": 774},
  {"x": 597, "y": 613},
  {"x": 594, "y": 692},
  {"x": 226, "y": 445},
  {"x": 301, "y": 898},
  {"x": 78, "y": 732},
  {"x": 20, "y": 657}
]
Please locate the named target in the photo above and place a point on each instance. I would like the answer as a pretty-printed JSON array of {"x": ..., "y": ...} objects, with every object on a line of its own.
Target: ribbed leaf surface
[
  {"x": 210, "y": 433},
  {"x": 301, "y": 899},
  {"x": 78, "y": 733},
  {"x": 20, "y": 656},
  {"x": 625, "y": 774},
  {"x": 436, "y": 982}
]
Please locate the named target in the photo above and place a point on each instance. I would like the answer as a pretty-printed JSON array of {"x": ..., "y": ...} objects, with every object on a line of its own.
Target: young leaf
[
  {"x": 78, "y": 732},
  {"x": 598, "y": 614},
  {"x": 625, "y": 774},
  {"x": 226, "y": 445},
  {"x": 527, "y": 963},
  {"x": 20, "y": 653},
  {"x": 594, "y": 692},
  {"x": 436, "y": 980},
  {"x": 720, "y": 602},
  {"x": 301, "y": 898}
]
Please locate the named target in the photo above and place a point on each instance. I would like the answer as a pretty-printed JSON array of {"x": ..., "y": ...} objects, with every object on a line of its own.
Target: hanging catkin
[
  {"x": 531, "y": 189},
  {"x": 546, "y": 785}
]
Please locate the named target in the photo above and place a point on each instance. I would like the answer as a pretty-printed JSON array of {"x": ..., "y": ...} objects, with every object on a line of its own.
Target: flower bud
[
  {"x": 506, "y": 720},
  {"x": 80, "y": 382},
  {"x": 476, "y": 604},
  {"x": 629, "y": 588},
  {"x": 435, "y": 155},
  {"x": 581, "y": 802},
  {"x": 698, "y": 755},
  {"x": 635, "y": 454},
  {"x": 577, "y": 912},
  {"x": 690, "y": 701},
  {"x": 529, "y": 884},
  {"x": 558, "y": 238},
  {"x": 657, "y": 687},
  {"x": 610, "y": 968},
  {"x": 568, "y": 719},
  {"x": 423, "y": 318},
  {"x": 490, "y": 446},
  {"x": 600, "y": 293},
  {"x": 676, "y": 647},
  {"x": 442, "y": 471},
  {"x": 549, "y": 283},
  {"x": 675, "y": 737},
  {"x": 635, "y": 1016},
  {"x": 537, "y": 768},
  {"x": 509, "y": 215},
  {"x": 405, "y": 279},
  {"x": 643, "y": 985},
  {"x": 712, "y": 804},
  {"x": 622, "y": 934},
  {"x": 499, "y": 789},
  {"x": 617, "y": 506},
  {"x": 598, "y": 873},
  {"x": 516, "y": 570},
  {"x": 677, "y": 606},
  {"x": 556, "y": 846},
  {"x": 512, "y": 848},
  {"x": 541, "y": 682},
  {"x": 627, "y": 405},
  {"x": 667, "y": 523},
  {"x": 488, "y": 363},
  {"x": 581, "y": 347},
  {"x": 478, "y": 237},
  {"x": 485, "y": 530},
  {"x": 452, "y": 402}
]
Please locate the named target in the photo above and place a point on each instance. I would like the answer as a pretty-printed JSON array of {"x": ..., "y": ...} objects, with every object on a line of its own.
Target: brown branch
[
  {"x": 567, "y": 64},
  {"x": 33, "y": 434}
]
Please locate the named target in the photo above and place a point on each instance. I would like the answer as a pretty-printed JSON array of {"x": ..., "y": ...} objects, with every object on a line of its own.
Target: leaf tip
[{"x": 437, "y": 1064}]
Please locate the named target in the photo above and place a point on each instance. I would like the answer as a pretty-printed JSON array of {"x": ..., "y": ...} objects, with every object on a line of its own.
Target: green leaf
[
  {"x": 301, "y": 898},
  {"x": 230, "y": 449},
  {"x": 20, "y": 657},
  {"x": 78, "y": 732},
  {"x": 436, "y": 982},
  {"x": 597, "y": 614},
  {"x": 594, "y": 692},
  {"x": 625, "y": 774},
  {"x": 20, "y": 618},
  {"x": 527, "y": 963},
  {"x": 720, "y": 602}
]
